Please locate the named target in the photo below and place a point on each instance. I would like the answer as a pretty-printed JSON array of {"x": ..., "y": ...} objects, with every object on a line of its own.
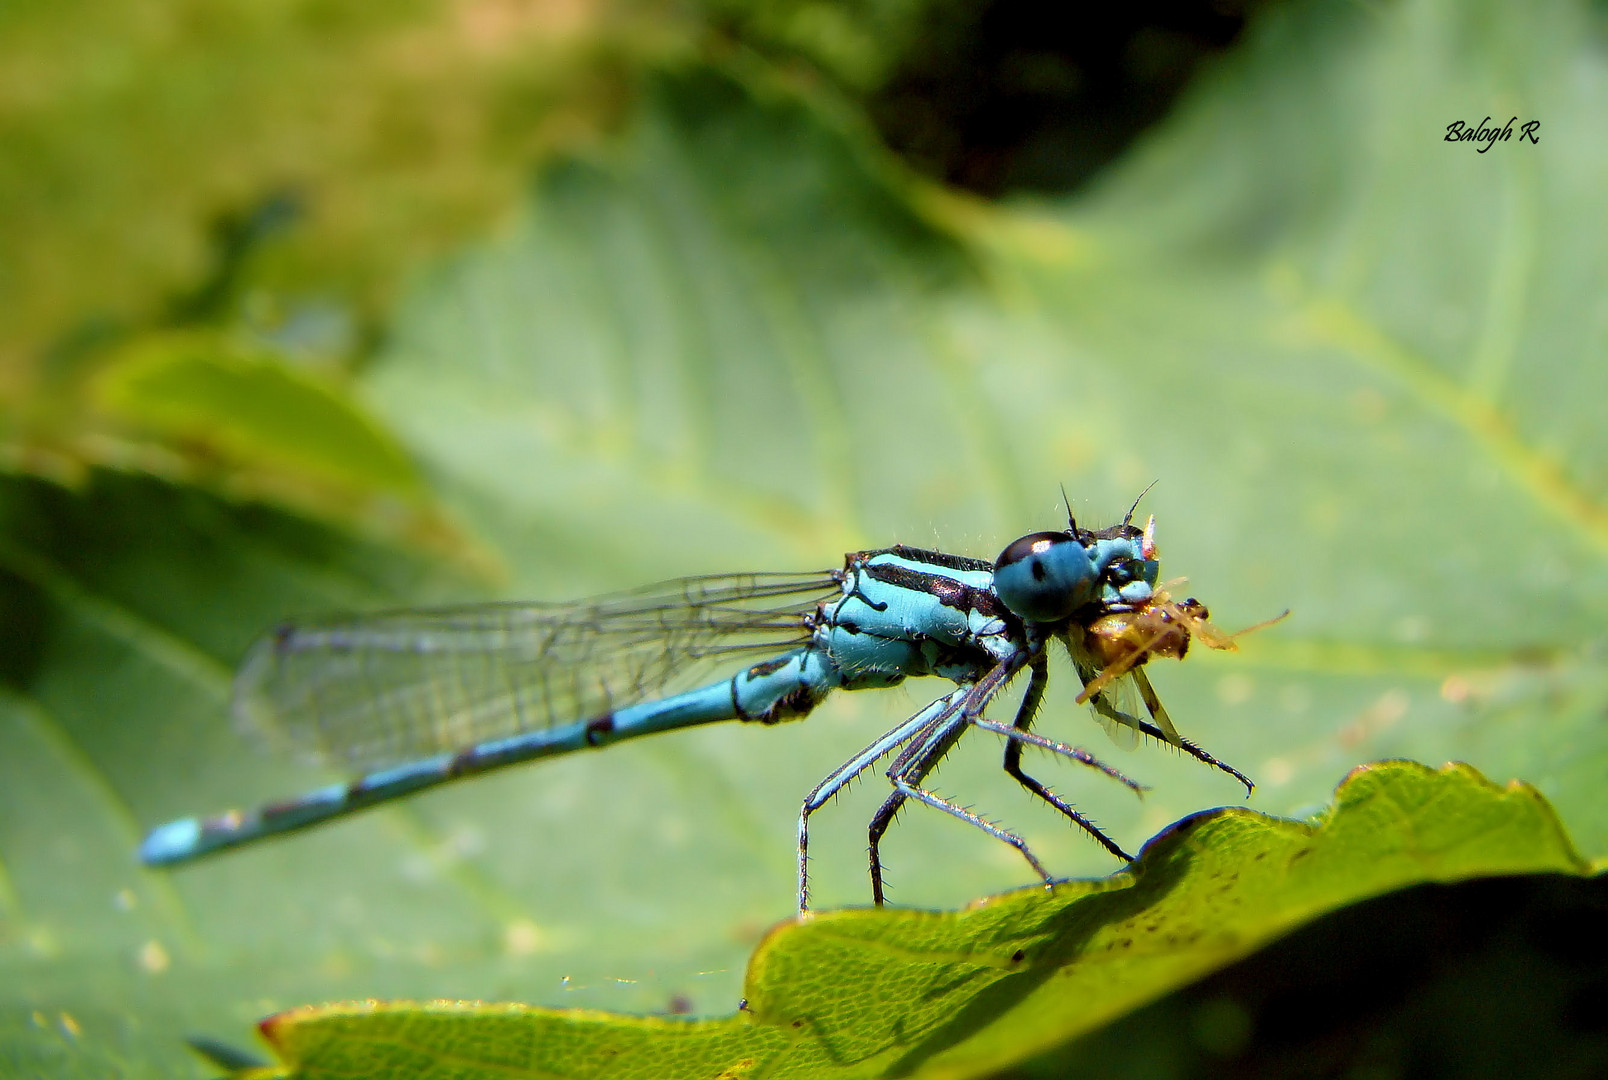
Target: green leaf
[
  {"x": 258, "y": 426},
  {"x": 1362, "y": 361},
  {"x": 963, "y": 994},
  {"x": 117, "y": 654},
  {"x": 130, "y": 142},
  {"x": 252, "y": 407}
]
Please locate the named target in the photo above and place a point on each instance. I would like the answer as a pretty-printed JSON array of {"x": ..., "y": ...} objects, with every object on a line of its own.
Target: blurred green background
[{"x": 323, "y": 305}]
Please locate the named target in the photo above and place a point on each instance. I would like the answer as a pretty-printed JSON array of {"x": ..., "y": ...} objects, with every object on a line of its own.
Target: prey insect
[{"x": 407, "y": 700}]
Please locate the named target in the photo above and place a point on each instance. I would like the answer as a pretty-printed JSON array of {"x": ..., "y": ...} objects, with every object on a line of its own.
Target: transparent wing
[
  {"x": 1116, "y": 709},
  {"x": 1115, "y": 697},
  {"x": 370, "y": 691}
]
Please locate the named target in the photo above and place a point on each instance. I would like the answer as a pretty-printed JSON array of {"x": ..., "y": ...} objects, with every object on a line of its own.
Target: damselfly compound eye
[{"x": 1044, "y": 577}]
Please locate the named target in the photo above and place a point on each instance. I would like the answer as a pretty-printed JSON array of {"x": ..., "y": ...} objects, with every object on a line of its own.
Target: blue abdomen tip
[{"x": 170, "y": 843}]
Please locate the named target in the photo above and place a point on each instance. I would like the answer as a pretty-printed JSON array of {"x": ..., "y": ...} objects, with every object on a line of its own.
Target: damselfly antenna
[
  {"x": 1128, "y": 520},
  {"x": 1071, "y": 522}
]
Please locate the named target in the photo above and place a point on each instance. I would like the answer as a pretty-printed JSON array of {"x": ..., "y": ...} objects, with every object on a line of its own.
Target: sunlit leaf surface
[{"x": 909, "y": 993}]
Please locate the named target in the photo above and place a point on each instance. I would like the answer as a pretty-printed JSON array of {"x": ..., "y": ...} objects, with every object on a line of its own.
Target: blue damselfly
[{"x": 406, "y": 700}]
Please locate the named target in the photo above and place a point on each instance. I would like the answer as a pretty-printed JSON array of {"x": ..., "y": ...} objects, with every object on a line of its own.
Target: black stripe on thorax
[
  {"x": 941, "y": 559},
  {"x": 946, "y": 590}
]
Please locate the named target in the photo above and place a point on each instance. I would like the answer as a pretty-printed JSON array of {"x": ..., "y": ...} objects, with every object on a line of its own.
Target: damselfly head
[
  {"x": 1044, "y": 577},
  {"x": 1048, "y": 577}
]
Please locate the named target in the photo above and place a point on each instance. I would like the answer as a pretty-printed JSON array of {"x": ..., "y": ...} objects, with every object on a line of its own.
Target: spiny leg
[
  {"x": 922, "y": 756},
  {"x": 1089, "y": 675},
  {"x": 1153, "y": 703},
  {"x": 879, "y": 825},
  {"x": 920, "y": 744},
  {"x": 1038, "y": 680},
  {"x": 922, "y": 794},
  {"x": 1075, "y": 753},
  {"x": 835, "y": 781}
]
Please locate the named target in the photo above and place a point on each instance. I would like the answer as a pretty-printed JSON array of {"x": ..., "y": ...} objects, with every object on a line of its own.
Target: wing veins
[{"x": 368, "y": 691}]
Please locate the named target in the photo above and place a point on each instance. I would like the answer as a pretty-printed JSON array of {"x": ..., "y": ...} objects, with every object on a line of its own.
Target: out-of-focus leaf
[
  {"x": 126, "y": 132},
  {"x": 126, "y": 604},
  {"x": 964, "y": 994},
  {"x": 260, "y": 427},
  {"x": 258, "y": 411}
]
